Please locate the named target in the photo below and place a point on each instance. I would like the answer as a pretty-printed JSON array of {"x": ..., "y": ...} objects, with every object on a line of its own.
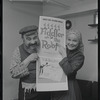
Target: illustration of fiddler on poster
[{"x": 49, "y": 75}]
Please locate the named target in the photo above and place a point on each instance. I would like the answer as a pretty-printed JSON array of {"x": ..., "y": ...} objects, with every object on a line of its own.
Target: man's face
[{"x": 31, "y": 40}]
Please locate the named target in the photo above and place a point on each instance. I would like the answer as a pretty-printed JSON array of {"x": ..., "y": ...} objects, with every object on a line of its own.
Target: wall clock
[{"x": 68, "y": 24}]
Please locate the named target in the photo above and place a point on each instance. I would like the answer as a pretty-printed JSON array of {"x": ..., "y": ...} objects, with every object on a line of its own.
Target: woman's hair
[{"x": 79, "y": 36}]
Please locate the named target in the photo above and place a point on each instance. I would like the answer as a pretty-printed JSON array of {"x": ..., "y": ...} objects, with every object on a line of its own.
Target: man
[{"x": 23, "y": 65}]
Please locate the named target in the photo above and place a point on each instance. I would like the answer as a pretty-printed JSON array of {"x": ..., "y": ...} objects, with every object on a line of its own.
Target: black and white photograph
[{"x": 50, "y": 50}]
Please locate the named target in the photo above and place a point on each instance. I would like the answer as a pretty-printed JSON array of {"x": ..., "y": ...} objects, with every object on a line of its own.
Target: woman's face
[{"x": 72, "y": 41}]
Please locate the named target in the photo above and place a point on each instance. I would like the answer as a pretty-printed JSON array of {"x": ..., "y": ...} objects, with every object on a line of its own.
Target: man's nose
[{"x": 32, "y": 41}]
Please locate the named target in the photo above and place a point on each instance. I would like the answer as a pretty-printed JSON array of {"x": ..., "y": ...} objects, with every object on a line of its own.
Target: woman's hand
[{"x": 62, "y": 51}]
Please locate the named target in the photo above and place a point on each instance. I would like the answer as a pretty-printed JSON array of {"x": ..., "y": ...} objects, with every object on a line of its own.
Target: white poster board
[{"x": 49, "y": 74}]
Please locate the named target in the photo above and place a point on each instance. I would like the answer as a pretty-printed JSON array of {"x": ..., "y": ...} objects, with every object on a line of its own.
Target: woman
[{"x": 73, "y": 59}]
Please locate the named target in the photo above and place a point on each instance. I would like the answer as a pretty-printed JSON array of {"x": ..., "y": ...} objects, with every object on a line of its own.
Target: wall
[
  {"x": 80, "y": 21},
  {"x": 51, "y": 9},
  {"x": 81, "y": 16},
  {"x": 15, "y": 16}
]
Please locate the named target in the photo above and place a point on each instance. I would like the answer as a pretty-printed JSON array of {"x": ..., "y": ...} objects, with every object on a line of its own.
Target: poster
[{"x": 49, "y": 75}]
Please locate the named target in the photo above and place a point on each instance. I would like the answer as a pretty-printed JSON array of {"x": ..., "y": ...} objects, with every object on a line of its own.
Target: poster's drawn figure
[
  {"x": 41, "y": 68},
  {"x": 50, "y": 69}
]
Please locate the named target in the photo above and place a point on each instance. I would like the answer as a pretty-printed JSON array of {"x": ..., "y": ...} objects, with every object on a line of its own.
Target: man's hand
[{"x": 32, "y": 57}]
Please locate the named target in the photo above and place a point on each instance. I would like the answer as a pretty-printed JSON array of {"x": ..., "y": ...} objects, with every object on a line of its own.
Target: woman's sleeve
[
  {"x": 18, "y": 69},
  {"x": 71, "y": 66}
]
